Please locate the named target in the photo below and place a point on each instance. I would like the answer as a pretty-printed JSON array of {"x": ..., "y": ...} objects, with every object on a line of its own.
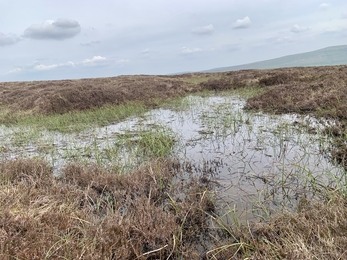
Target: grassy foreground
[{"x": 155, "y": 212}]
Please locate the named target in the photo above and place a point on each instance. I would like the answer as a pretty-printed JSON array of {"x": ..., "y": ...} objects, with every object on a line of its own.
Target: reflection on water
[{"x": 253, "y": 156}]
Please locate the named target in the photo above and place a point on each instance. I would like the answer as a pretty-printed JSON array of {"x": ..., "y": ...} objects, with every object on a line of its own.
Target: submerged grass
[
  {"x": 135, "y": 149},
  {"x": 156, "y": 142}
]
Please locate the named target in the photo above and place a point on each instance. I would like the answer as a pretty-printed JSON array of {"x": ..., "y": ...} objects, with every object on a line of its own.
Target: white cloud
[
  {"x": 203, "y": 30},
  {"x": 324, "y": 6},
  {"x": 46, "y": 67},
  {"x": 42, "y": 67},
  {"x": 54, "y": 66},
  {"x": 16, "y": 70},
  {"x": 186, "y": 50},
  {"x": 93, "y": 60},
  {"x": 242, "y": 23},
  {"x": 344, "y": 15},
  {"x": 297, "y": 29},
  {"x": 8, "y": 39},
  {"x": 70, "y": 63},
  {"x": 56, "y": 30}
]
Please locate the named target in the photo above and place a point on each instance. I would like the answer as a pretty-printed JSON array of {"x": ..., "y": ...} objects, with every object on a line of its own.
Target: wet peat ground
[{"x": 170, "y": 208}]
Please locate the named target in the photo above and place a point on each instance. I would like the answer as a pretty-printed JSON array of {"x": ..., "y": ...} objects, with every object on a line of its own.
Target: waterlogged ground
[{"x": 257, "y": 161}]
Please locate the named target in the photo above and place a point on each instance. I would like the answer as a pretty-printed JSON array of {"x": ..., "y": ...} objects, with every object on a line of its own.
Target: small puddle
[{"x": 257, "y": 159}]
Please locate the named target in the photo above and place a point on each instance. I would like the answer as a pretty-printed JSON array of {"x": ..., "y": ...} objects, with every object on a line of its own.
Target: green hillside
[{"x": 336, "y": 55}]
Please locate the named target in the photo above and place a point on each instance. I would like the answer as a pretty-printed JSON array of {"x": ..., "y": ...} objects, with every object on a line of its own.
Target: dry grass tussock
[
  {"x": 317, "y": 231},
  {"x": 91, "y": 213}
]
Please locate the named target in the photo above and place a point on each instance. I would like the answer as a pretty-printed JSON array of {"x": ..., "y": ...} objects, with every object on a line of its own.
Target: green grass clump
[
  {"x": 153, "y": 143},
  {"x": 77, "y": 121},
  {"x": 156, "y": 142},
  {"x": 196, "y": 79},
  {"x": 247, "y": 92}
]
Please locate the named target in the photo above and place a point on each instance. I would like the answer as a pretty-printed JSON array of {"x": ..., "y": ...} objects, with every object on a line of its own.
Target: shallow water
[
  {"x": 270, "y": 159},
  {"x": 257, "y": 159}
]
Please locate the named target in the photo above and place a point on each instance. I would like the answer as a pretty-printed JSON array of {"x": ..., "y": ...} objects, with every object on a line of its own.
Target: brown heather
[
  {"x": 320, "y": 90},
  {"x": 316, "y": 231},
  {"x": 61, "y": 96},
  {"x": 91, "y": 213}
]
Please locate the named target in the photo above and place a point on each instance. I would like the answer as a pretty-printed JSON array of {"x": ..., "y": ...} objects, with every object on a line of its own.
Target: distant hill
[{"x": 335, "y": 55}]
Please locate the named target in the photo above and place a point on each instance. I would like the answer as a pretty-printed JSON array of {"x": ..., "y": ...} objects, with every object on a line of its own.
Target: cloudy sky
[{"x": 57, "y": 39}]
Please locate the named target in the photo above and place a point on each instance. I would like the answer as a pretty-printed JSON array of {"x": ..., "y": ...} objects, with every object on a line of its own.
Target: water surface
[{"x": 256, "y": 159}]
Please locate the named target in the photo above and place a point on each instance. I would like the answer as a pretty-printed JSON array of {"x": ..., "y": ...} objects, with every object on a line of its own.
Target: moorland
[{"x": 162, "y": 209}]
